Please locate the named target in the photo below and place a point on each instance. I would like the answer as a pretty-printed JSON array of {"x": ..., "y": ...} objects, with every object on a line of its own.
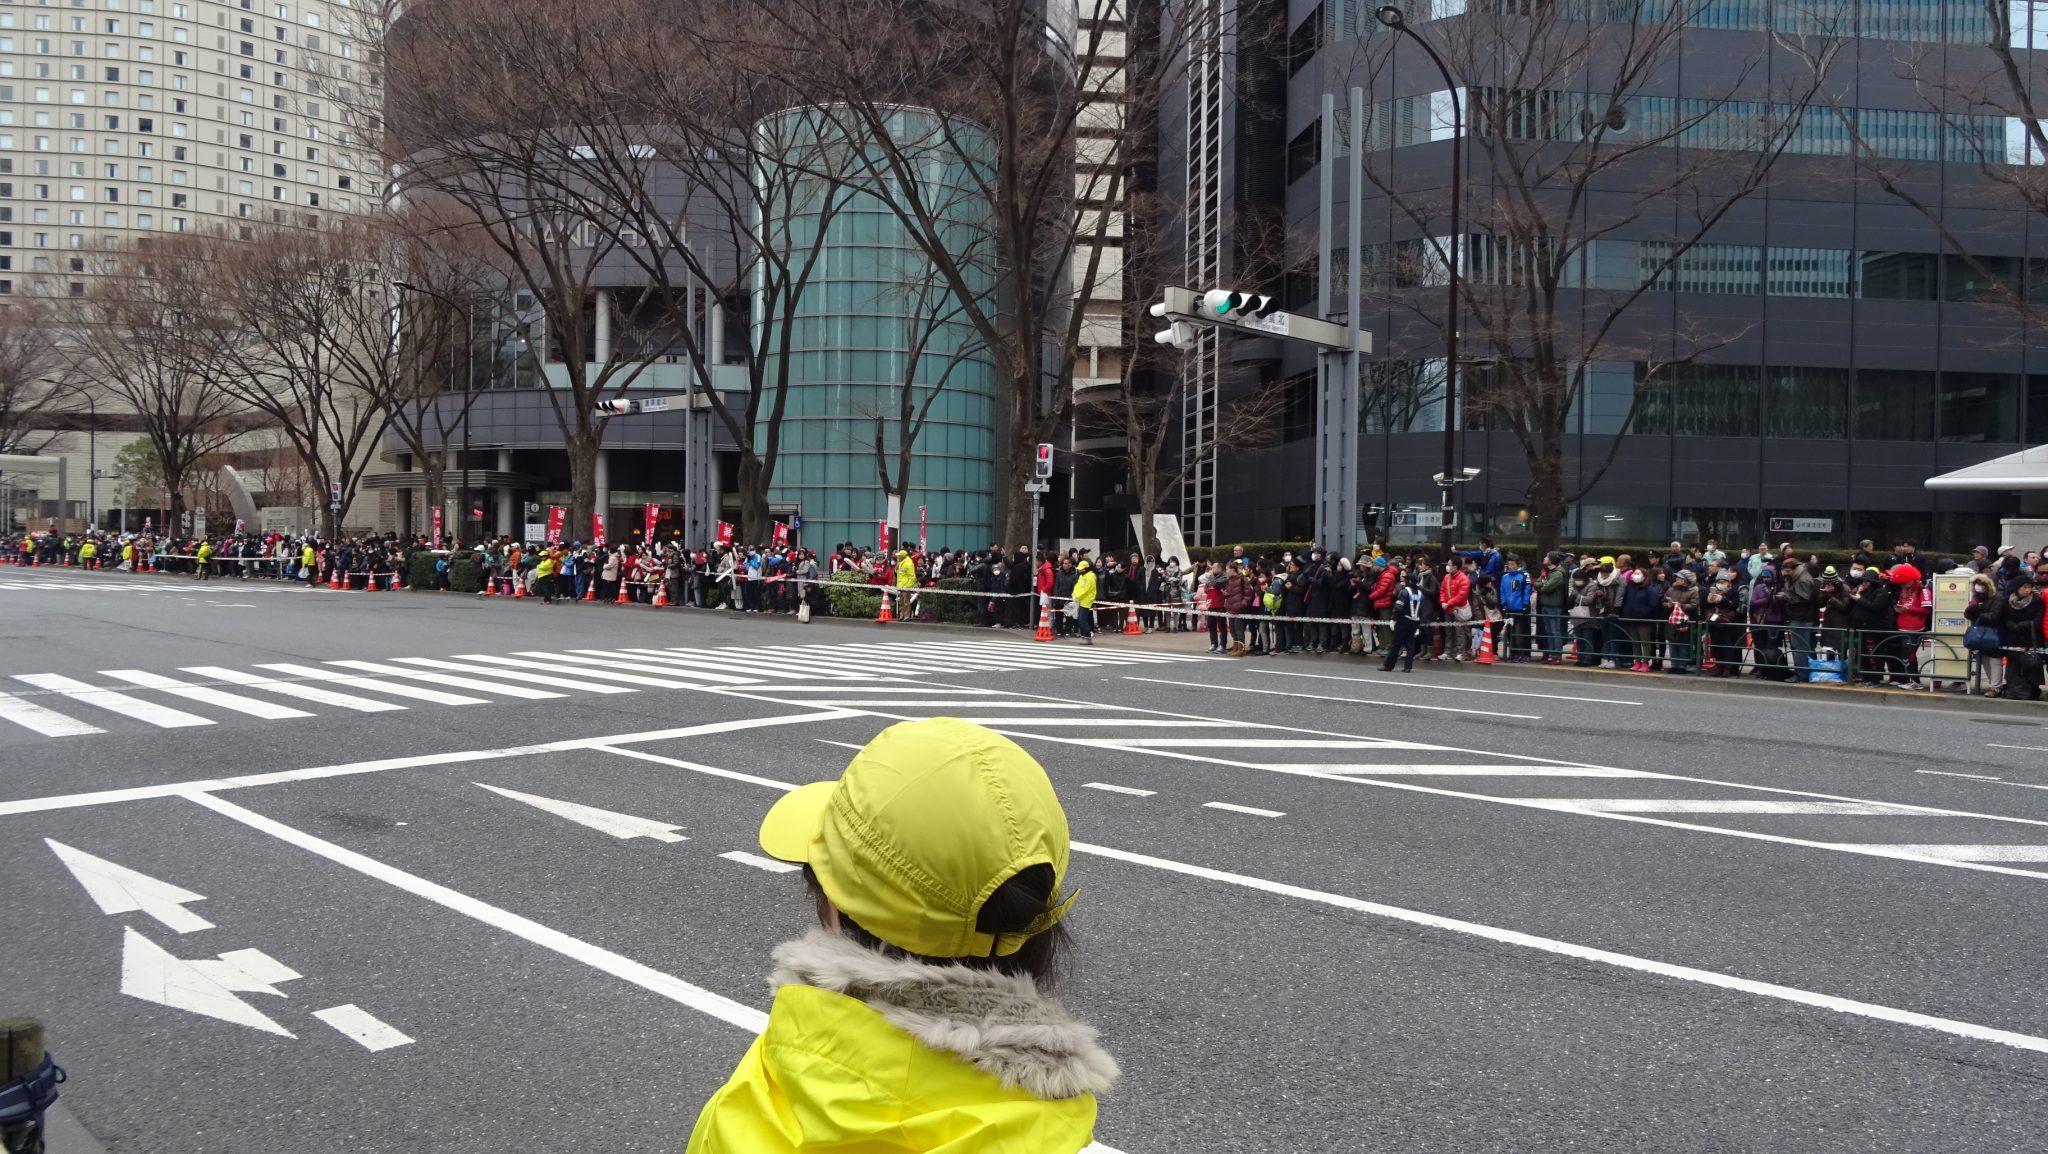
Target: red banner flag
[
  {"x": 437, "y": 526},
  {"x": 882, "y": 536},
  {"x": 922, "y": 546},
  {"x": 653, "y": 518},
  {"x": 725, "y": 532},
  {"x": 556, "y": 516},
  {"x": 780, "y": 536},
  {"x": 597, "y": 529}
]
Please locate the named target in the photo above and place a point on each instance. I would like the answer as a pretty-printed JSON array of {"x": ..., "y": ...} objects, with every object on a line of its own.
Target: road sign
[
  {"x": 1802, "y": 524},
  {"x": 1431, "y": 519},
  {"x": 1037, "y": 487}
]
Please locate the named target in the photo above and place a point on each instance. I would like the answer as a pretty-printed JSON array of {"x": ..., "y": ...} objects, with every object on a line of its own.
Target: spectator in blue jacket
[{"x": 1516, "y": 595}]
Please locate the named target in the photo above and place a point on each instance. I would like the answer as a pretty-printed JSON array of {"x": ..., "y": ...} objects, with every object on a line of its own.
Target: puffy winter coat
[{"x": 866, "y": 1054}]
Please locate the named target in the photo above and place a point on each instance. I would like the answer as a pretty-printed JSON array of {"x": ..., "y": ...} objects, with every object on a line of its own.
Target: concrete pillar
[
  {"x": 604, "y": 325},
  {"x": 717, "y": 338},
  {"x": 603, "y": 504},
  {"x": 504, "y": 460},
  {"x": 508, "y": 511}
]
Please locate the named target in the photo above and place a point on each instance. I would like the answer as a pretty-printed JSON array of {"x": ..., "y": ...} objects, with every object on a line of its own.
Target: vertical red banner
[
  {"x": 725, "y": 532},
  {"x": 780, "y": 536},
  {"x": 437, "y": 526},
  {"x": 923, "y": 545},
  {"x": 882, "y": 536},
  {"x": 556, "y": 516},
  {"x": 653, "y": 518},
  {"x": 597, "y": 529}
]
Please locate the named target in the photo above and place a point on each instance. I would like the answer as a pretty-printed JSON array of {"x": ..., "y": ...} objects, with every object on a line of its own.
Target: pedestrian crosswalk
[
  {"x": 74, "y": 582},
  {"x": 193, "y": 696}
]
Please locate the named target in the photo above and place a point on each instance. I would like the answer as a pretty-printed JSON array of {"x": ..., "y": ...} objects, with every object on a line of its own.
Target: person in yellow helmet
[
  {"x": 1084, "y": 603},
  {"x": 916, "y": 1018},
  {"x": 906, "y": 578}
]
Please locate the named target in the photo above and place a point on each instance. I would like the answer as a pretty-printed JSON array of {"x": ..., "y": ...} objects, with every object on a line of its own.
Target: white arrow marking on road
[
  {"x": 619, "y": 825},
  {"x": 248, "y": 971},
  {"x": 120, "y": 890},
  {"x": 150, "y": 973}
]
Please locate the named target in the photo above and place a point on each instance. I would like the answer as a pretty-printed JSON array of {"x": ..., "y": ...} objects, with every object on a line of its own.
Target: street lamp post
[{"x": 1451, "y": 477}]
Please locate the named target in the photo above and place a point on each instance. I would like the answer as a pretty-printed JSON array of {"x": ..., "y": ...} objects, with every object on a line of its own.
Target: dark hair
[{"x": 1015, "y": 904}]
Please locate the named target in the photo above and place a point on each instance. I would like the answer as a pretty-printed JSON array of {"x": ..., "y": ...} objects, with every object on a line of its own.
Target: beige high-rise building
[{"x": 122, "y": 119}]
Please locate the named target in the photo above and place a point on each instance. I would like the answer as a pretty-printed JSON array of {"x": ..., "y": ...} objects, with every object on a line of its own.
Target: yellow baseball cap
[{"x": 928, "y": 819}]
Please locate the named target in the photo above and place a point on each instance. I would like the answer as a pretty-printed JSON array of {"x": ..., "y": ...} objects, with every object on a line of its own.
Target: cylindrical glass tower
[{"x": 876, "y": 331}]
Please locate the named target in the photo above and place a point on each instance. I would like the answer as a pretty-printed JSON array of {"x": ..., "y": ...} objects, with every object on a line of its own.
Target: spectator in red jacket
[{"x": 1454, "y": 594}]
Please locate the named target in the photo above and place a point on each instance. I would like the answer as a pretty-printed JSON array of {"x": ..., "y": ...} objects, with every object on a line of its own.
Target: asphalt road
[{"x": 290, "y": 870}]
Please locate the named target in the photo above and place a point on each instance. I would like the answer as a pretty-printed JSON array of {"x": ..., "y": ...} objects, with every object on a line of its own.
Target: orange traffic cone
[
  {"x": 1131, "y": 626},
  {"x": 661, "y": 595},
  {"x": 885, "y": 616},
  {"x": 391, "y": 583},
  {"x": 1044, "y": 621},
  {"x": 518, "y": 590},
  {"x": 590, "y": 590},
  {"x": 1485, "y": 645},
  {"x": 621, "y": 598},
  {"x": 490, "y": 588},
  {"x": 333, "y": 579}
]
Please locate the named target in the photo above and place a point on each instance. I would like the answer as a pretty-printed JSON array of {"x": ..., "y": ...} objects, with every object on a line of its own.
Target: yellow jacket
[
  {"x": 906, "y": 574},
  {"x": 840, "y": 1070},
  {"x": 1084, "y": 589}
]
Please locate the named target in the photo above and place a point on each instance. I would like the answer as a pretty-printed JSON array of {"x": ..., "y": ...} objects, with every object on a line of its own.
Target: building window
[
  {"x": 1980, "y": 407},
  {"x": 1896, "y": 276},
  {"x": 1806, "y": 402},
  {"x": 1894, "y": 405},
  {"x": 1985, "y": 278},
  {"x": 1304, "y": 152}
]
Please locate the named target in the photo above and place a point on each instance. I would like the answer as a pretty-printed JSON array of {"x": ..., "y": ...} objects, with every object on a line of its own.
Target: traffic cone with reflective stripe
[
  {"x": 885, "y": 616},
  {"x": 621, "y": 598},
  {"x": 661, "y": 595},
  {"x": 1485, "y": 645},
  {"x": 1131, "y": 626},
  {"x": 590, "y": 590},
  {"x": 1044, "y": 621}
]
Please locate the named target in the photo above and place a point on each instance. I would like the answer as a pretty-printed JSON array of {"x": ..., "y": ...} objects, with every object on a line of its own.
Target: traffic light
[
  {"x": 1043, "y": 468},
  {"x": 1229, "y": 303},
  {"x": 1179, "y": 334},
  {"x": 617, "y": 407}
]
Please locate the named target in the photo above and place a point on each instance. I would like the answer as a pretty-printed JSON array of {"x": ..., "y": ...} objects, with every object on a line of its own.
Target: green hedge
[
  {"x": 848, "y": 594},
  {"x": 465, "y": 575},
  {"x": 421, "y": 575},
  {"x": 950, "y": 609}
]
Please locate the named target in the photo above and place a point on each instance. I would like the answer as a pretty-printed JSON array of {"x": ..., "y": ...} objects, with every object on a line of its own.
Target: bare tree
[
  {"x": 145, "y": 338},
  {"x": 478, "y": 138},
  {"x": 1011, "y": 84},
  {"x": 32, "y": 394},
  {"x": 1559, "y": 111},
  {"x": 305, "y": 331}
]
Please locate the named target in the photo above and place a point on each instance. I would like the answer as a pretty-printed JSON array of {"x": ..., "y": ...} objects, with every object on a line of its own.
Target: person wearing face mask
[
  {"x": 1641, "y": 604},
  {"x": 1411, "y": 612}
]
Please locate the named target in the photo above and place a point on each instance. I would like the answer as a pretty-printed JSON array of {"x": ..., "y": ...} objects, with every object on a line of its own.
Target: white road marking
[
  {"x": 470, "y": 683},
  {"x": 842, "y": 744},
  {"x": 294, "y": 690},
  {"x": 1145, "y": 722},
  {"x": 382, "y": 765},
  {"x": 47, "y": 722},
  {"x": 1478, "y": 770},
  {"x": 580, "y": 671},
  {"x": 1250, "y": 809},
  {"x": 877, "y": 686},
  {"x": 161, "y": 716},
  {"x": 690, "y": 678},
  {"x": 267, "y": 710},
  {"x": 597, "y": 957},
  {"x": 1710, "y": 978},
  {"x": 2028, "y": 853},
  {"x": 1235, "y": 688},
  {"x": 760, "y": 863},
  {"x": 513, "y": 675},
  {"x": 1447, "y": 688},
  {"x": 619, "y": 825},
  {"x": 1723, "y": 805},
  {"x": 2029, "y": 748},
  {"x": 1103, "y": 785},
  {"x": 116, "y": 889},
  {"x": 149, "y": 972},
  {"x": 247, "y": 971},
  {"x": 1265, "y": 743},
  {"x": 696, "y": 767},
  {"x": 608, "y": 655},
  {"x": 1943, "y": 773},
  {"x": 1729, "y": 982},
  {"x": 395, "y": 689},
  {"x": 976, "y": 703},
  {"x": 362, "y": 1026}
]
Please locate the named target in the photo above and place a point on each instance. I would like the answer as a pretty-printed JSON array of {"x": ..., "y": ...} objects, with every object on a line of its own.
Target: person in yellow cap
[
  {"x": 906, "y": 578},
  {"x": 916, "y": 1018},
  {"x": 1084, "y": 603}
]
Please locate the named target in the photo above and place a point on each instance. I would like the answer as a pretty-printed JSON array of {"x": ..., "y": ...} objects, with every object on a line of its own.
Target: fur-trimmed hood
[{"x": 999, "y": 1023}]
